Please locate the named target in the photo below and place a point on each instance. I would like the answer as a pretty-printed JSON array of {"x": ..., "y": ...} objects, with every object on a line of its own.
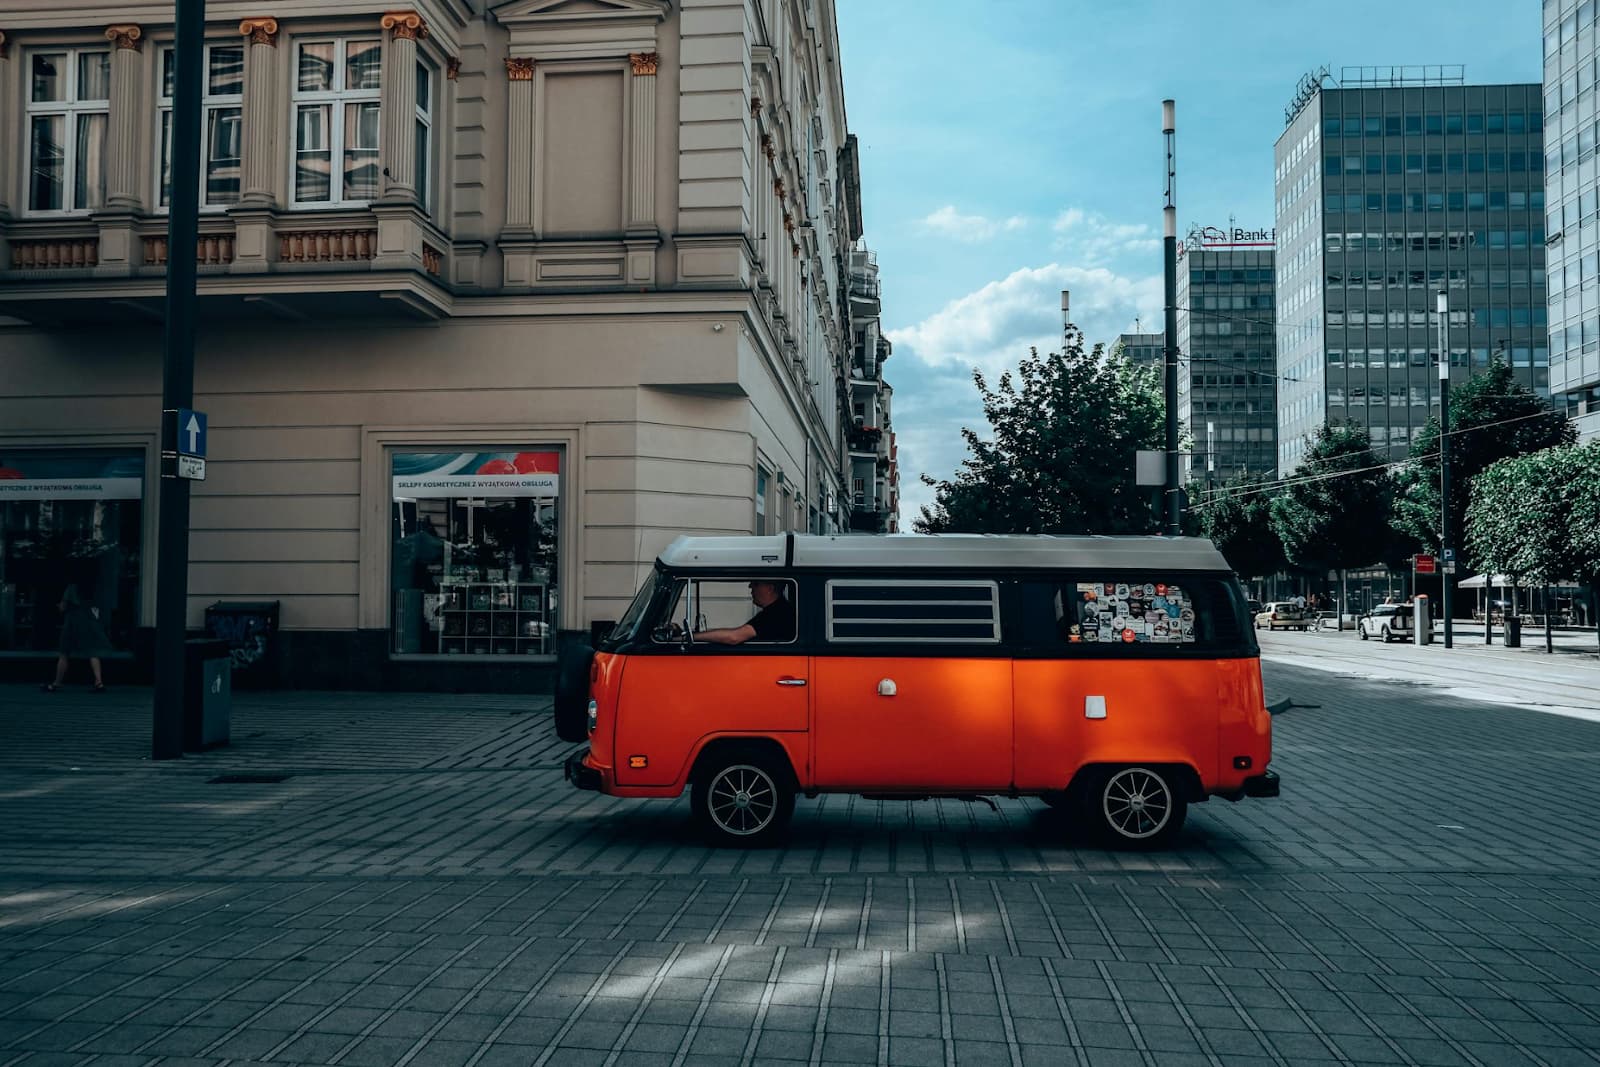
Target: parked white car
[
  {"x": 1282, "y": 615},
  {"x": 1388, "y": 622}
]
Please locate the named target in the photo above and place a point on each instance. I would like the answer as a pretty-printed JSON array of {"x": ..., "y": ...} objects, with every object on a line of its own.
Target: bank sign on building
[{"x": 493, "y": 304}]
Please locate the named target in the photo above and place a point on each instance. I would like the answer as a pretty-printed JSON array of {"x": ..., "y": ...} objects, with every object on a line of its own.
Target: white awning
[{"x": 1501, "y": 581}]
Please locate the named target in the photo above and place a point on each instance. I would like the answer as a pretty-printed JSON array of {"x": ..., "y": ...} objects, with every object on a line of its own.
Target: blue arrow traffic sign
[{"x": 191, "y": 432}]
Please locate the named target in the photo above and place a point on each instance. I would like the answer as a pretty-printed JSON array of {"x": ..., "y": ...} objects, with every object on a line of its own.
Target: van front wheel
[
  {"x": 743, "y": 801},
  {"x": 1136, "y": 807}
]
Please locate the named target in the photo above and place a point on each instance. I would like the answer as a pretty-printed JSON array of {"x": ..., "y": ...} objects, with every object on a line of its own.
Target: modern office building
[
  {"x": 494, "y": 302},
  {"x": 1391, "y": 185},
  {"x": 1227, "y": 360},
  {"x": 1572, "y": 182},
  {"x": 1144, "y": 349}
]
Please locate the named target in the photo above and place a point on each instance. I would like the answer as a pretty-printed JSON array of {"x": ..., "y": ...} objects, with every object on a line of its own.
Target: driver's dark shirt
[{"x": 775, "y": 622}]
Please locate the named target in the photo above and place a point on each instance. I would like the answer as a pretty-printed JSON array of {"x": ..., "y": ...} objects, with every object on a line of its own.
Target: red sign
[{"x": 1422, "y": 564}]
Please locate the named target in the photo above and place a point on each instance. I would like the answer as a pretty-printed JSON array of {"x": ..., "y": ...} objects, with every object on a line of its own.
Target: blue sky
[{"x": 1012, "y": 148}]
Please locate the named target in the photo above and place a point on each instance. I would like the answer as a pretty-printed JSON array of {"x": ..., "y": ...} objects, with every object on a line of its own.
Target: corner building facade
[
  {"x": 494, "y": 302},
  {"x": 1385, "y": 195}
]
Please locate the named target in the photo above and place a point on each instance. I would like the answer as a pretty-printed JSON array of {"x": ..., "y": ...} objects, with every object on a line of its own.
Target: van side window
[
  {"x": 729, "y": 603},
  {"x": 1141, "y": 611},
  {"x": 919, "y": 611}
]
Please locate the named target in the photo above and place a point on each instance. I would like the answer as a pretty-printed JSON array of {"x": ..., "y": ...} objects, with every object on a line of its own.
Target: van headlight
[{"x": 594, "y": 715}]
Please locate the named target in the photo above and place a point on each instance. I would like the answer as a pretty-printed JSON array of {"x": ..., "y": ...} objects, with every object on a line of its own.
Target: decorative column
[
  {"x": 397, "y": 154},
  {"x": 642, "y": 237},
  {"x": 5, "y": 131},
  {"x": 126, "y": 119},
  {"x": 519, "y": 176},
  {"x": 260, "y": 112},
  {"x": 517, "y": 239}
]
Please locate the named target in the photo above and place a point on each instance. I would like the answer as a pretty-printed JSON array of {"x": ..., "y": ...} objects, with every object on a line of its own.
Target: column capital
[
  {"x": 125, "y": 35},
  {"x": 755, "y": 106},
  {"x": 644, "y": 63},
  {"x": 404, "y": 25},
  {"x": 260, "y": 31},
  {"x": 520, "y": 68},
  {"x": 452, "y": 68}
]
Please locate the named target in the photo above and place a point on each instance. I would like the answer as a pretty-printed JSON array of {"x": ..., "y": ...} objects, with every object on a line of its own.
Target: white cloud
[
  {"x": 1090, "y": 238},
  {"x": 990, "y": 329},
  {"x": 948, "y": 222}
]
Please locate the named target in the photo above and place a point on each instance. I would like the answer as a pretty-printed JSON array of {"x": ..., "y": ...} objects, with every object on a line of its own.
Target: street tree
[
  {"x": 1237, "y": 517},
  {"x": 1060, "y": 451},
  {"x": 1334, "y": 511},
  {"x": 1492, "y": 417},
  {"x": 1536, "y": 518}
]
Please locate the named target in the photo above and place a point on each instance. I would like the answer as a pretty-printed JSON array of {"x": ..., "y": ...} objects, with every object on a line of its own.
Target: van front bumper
[
  {"x": 1264, "y": 784},
  {"x": 580, "y": 774}
]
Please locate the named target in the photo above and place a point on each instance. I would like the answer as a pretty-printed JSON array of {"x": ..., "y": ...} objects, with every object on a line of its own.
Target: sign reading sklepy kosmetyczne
[{"x": 428, "y": 475}]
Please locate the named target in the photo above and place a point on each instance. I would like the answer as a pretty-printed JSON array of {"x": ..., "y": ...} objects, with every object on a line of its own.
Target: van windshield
[{"x": 636, "y": 610}]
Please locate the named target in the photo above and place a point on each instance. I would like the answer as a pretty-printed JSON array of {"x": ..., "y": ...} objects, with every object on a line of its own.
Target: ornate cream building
[{"x": 495, "y": 300}]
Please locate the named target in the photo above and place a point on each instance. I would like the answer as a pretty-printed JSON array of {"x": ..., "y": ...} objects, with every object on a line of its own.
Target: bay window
[
  {"x": 222, "y": 129},
  {"x": 69, "y": 94},
  {"x": 336, "y": 121}
]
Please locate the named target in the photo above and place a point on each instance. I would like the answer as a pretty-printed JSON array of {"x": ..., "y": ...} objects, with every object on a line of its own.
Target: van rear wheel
[
  {"x": 1135, "y": 807},
  {"x": 743, "y": 800}
]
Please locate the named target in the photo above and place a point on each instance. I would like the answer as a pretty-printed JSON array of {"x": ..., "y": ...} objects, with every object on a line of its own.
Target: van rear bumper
[
  {"x": 580, "y": 774},
  {"x": 1264, "y": 784}
]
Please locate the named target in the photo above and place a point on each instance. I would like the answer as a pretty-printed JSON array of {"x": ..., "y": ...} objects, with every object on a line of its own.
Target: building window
[
  {"x": 222, "y": 129},
  {"x": 475, "y": 564},
  {"x": 761, "y": 501},
  {"x": 424, "y": 161},
  {"x": 68, "y": 105},
  {"x": 69, "y": 519},
  {"x": 336, "y": 120},
  {"x": 911, "y": 611}
]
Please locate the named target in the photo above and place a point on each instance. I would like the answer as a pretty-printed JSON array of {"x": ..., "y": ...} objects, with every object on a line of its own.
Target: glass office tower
[
  {"x": 1572, "y": 176},
  {"x": 1391, "y": 185}
]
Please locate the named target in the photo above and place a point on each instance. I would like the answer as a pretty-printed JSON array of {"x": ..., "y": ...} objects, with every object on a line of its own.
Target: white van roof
[{"x": 957, "y": 551}]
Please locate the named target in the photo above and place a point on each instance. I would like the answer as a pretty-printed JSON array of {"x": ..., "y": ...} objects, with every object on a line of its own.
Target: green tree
[
  {"x": 1492, "y": 417},
  {"x": 1334, "y": 512},
  {"x": 1536, "y": 518},
  {"x": 1060, "y": 453},
  {"x": 1238, "y": 518}
]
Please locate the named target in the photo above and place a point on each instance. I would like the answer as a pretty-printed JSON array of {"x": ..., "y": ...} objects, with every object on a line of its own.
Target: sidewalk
[{"x": 1567, "y": 683}]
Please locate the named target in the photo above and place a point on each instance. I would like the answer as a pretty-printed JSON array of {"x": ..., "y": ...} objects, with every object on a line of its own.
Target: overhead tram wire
[{"x": 1257, "y": 488}]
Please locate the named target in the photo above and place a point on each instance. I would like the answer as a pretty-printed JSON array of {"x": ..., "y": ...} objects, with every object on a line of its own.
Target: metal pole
[
  {"x": 1446, "y": 549},
  {"x": 1170, "y": 381},
  {"x": 177, "y": 384}
]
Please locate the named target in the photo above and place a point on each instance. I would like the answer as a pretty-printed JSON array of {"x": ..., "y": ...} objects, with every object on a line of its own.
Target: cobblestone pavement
[{"x": 421, "y": 888}]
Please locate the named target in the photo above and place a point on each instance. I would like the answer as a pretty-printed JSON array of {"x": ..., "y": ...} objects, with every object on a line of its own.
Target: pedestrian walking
[{"x": 82, "y": 637}]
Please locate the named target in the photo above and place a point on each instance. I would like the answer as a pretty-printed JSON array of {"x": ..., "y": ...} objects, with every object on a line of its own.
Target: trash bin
[
  {"x": 208, "y": 694},
  {"x": 248, "y": 627},
  {"x": 1513, "y": 631}
]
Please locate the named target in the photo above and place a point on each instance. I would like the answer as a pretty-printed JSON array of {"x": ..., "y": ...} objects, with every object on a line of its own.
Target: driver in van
[{"x": 774, "y": 622}]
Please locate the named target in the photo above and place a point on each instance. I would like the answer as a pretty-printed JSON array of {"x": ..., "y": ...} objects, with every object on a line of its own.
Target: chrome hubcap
[
  {"x": 742, "y": 800},
  {"x": 1137, "y": 803}
]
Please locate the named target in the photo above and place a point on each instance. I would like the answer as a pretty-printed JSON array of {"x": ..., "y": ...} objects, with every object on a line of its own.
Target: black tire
[
  {"x": 743, "y": 798},
  {"x": 1385, "y": 635},
  {"x": 1362, "y": 630},
  {"x": 572, "y": 691},
  {"x": 1135, "y": 807}
]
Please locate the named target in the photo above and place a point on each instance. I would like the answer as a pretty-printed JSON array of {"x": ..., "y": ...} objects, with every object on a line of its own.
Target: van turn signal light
[
  {"x": 1241, "y": 763},
  {"x": 638, "y": 763}
]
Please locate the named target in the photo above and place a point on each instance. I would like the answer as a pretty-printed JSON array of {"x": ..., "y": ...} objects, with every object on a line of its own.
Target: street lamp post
[
  {"x": 1211, "y": 453},
  {"x": 1169, "y": 242},
  {"x": 1447, "y": 554}
]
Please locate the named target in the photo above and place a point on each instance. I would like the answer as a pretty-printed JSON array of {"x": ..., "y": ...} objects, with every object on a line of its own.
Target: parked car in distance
[
  {"x": 1386, "y": 621},
  {"x": 1254, "y": 607},
  {"x": 1282, "y": 615}
]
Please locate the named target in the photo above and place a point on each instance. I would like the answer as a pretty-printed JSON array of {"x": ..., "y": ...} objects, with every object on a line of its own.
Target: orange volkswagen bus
[{"x": 1117, "y": 677}]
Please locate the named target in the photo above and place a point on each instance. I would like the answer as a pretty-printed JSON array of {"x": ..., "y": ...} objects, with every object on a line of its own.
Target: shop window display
[
  {"x": 69, "y": 518},
  {"x": 474, "y": 562}
]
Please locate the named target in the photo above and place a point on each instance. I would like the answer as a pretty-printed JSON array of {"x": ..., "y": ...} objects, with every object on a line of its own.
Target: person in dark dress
[
  {"x": 82, "y": 637},
  {"x": 774, "y": 622}
]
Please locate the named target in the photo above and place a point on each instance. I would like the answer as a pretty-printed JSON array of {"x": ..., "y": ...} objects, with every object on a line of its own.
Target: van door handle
[{"x": 786, "y": 680}]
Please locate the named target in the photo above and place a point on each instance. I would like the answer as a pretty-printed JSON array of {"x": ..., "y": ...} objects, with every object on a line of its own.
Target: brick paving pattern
[{"x": 422, "y": 888}]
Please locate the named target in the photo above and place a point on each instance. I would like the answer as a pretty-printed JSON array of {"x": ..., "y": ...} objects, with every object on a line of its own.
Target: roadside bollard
[{"x": 1421, "y": 623}]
